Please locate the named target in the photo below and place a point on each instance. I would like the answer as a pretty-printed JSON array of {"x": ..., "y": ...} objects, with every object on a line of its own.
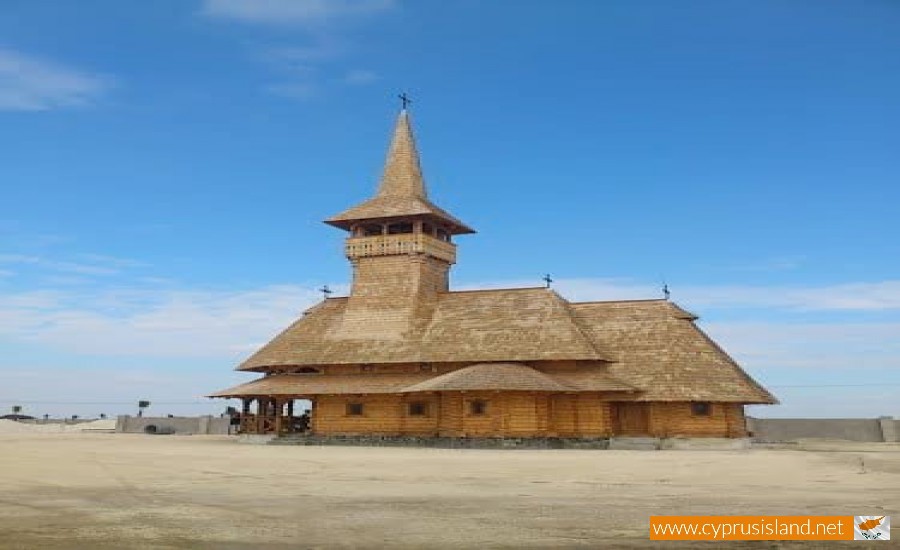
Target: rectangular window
[
  {"x": 418, "y": 408},
  {"x": 354, "y": 409},
  {"x": 477, "y": 407},
  {"x": 701, "y": 408}
]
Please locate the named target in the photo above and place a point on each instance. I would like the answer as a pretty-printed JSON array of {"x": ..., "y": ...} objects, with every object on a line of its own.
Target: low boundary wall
[
  {"x": 201, "y": 425},
  {"x": 874, "y": 430}
]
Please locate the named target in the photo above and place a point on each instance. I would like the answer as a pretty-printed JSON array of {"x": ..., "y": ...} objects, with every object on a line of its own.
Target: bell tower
[{"x": 400, "y": 246}]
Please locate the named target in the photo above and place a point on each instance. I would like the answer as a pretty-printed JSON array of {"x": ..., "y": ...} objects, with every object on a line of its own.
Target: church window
[
  {"x": 701, "y": 408},
  {"x": 418, "y": 408},
  {"x": 354, "y": 409},
  {"x": 477, "y": 407},
  {"x": 428, "y": 229}
]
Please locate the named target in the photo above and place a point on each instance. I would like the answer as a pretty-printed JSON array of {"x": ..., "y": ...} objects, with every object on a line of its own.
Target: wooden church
[{"x": 404, "y": 355}]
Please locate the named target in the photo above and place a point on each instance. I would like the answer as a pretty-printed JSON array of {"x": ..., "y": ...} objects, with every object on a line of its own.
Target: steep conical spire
[
  {"x": 402, "y": 172},
  {"x": 401, "y": 192}
]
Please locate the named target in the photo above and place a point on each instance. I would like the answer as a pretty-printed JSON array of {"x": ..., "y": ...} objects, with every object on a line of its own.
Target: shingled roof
[
  {"x": 480, "y": 377},
  {"x": 491, "y": 376},
  {"x": 402, "y": 191},
  {"x": 655, "y": 345},
  {"x": 527, "y": 324},
  {"x": 332, "y": 384}
]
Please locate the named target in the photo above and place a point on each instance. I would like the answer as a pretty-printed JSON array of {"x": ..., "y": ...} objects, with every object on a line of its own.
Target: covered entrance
[{"x": 273, "y": 415}]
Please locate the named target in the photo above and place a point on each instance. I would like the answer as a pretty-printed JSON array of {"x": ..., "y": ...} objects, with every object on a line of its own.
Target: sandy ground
[{"x": 99, "y": 491}]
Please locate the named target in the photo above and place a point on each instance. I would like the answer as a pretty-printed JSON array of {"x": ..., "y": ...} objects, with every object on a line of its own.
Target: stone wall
[
  {"x": 443, "y": 442},
  {"x": 179, "y": 424},
  {"x": 851, "y": 429}
]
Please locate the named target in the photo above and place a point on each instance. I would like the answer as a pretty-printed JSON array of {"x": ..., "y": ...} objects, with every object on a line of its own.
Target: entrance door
[{"x": 631, "y": 419}]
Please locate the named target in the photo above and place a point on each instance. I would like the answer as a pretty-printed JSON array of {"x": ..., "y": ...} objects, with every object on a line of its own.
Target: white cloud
[
  {"x": 32, "y": 84},
  {"x": 302, "y": 70},
  {"x": 89, "y": 264},
  {"x": 160, "y": 319},
  {"x": 360, "y": 77},
  {"x": 293, "y": 12},
  {"x": 174, "y": 324},
  {"x": 858, "y": 296},
  {"x": 161, "y": 322},
  {"x": 864, "y": 296},
  {"x": 833, "y": 345},
  {"x": 18, "y": 259},
  {"x": 779, "y": 263},
  {"x": 293, "y": 90}
]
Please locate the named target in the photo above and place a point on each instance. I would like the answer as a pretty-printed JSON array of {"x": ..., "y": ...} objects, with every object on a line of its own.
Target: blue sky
[{"x": 166, "y": 166}]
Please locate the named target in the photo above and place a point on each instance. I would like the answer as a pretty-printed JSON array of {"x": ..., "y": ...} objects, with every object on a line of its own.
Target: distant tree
[
  {"x": 74, "y": 417},
  {"x": 141, "y": 406},
  {"x": 16, "y": 409},
  {"x": 102, "y": 416}
]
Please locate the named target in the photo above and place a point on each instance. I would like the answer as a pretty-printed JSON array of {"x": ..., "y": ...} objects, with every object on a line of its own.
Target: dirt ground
[{"x": 99, "y": 491}]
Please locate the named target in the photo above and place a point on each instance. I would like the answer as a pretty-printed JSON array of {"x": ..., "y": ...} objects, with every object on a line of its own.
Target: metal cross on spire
[
  {"x": 665, "y": 290},
  {"x": 326, "y": 292},
  {"x": 547, "y": 280},
  {"x": 404, "y": 100}
]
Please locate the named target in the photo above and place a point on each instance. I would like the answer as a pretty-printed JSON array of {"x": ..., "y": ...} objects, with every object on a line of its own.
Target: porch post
[
  {"x": 290, "y": 415},
  {"x": 279, "y": 415}
]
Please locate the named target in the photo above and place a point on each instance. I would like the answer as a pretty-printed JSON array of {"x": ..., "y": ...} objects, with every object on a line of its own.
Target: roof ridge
[
  {"x": 578, "y": 326},
  {"x": 620, "y": 301},
  {"x": 495, "y": 289}
]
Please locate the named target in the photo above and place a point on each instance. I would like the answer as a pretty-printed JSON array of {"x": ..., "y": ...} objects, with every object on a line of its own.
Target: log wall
[
  {"x": 676, "y": 419},
  {"x": 515, "y": 414},
  {"x": 450, "y": 414}
]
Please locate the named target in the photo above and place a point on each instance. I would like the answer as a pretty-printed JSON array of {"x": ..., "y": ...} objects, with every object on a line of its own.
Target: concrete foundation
[
  {"x": 256, "y": 439},
  {"x": 705, "y": 444},
  {"x": 615, "y": 443},
  {"x": 635, "y": 443},
  {"x": 445, "y": 442}
]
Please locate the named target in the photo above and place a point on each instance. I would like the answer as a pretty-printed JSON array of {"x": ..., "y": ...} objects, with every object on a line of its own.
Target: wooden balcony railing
[{"x": 402, "y": 243}]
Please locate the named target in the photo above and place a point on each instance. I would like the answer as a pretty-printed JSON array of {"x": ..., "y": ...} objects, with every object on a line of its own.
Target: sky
[{"x": 166, "y": 165}]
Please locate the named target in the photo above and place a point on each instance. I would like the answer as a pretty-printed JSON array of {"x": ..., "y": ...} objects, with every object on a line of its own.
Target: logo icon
[{"x": 871, "y": 527}]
